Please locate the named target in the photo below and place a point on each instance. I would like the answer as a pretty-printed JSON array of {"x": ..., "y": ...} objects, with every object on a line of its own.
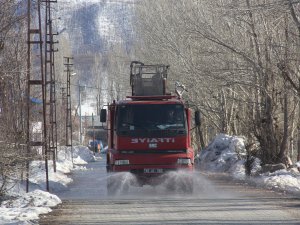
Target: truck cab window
[{"x": 150, "y": 117}]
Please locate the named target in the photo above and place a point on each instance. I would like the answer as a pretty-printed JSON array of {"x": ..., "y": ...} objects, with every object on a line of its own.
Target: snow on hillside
[
  {"x": 226, "y": 154},
  {"x": 24, "y": 208},
  {"x": 93, "y": 26}
]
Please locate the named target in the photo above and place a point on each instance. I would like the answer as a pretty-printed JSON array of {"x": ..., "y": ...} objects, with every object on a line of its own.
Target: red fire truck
[{"x": 149, "y": 132}]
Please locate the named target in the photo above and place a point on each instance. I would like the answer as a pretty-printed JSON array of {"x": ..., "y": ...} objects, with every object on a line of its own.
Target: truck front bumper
[{"x": 152, "y": 174}]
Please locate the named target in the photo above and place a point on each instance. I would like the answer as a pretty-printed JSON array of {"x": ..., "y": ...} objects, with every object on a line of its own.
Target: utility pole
[
  {"x": 63, "y": 110},
  {"x": 298, "y": 140},
  {"x": 94, "y": 139},
  {"x": 98, "y": 104},
  {"x": 50, "y": 82},
  {"x": 80, "y": 118},
  {"x": 80, "y": 89},
  {"x": 68, "y": 70},
  {"x": 37, "y": 83},
  {"x": 85, "y": 122}
]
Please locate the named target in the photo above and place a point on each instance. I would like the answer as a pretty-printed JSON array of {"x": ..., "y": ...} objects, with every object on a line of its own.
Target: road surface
[{"x": 215, "y": 201}]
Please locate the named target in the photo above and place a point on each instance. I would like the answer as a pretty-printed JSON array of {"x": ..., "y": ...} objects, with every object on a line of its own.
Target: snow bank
[
  {"x": 81, "y": 155},
  {"x": 59, "y": 180},
  {"x": 282, "y": 180},
  {"x": 24, "y": 208},
  {"x": 27, "y": 206},
  {"x": 226, "y": 154}
]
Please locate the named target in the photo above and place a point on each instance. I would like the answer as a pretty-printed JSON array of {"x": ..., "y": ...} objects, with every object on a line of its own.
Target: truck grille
[
  {"x": 141, "y": 171},
  {"x": 153, "y": 151},
  {"x": 153, "y": 133}
]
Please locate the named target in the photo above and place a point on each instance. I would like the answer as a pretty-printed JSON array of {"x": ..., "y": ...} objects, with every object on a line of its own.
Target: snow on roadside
[
  {"x": 27, "y": 206},
  {"x": 24, "y": 208},
  {"x": 282, "y": 180},
  {"x": 226, "y": 154}
]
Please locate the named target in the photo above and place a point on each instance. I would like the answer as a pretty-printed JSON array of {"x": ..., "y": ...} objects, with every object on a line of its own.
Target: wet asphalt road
[{"x": 215, "y": 201}]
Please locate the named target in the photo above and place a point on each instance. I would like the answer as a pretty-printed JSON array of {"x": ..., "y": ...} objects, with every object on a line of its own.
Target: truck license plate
[{"x": 153, "y": 170}]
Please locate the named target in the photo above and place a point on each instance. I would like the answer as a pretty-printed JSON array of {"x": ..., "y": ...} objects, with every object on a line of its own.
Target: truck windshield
[{"x": 150, "y": 117}]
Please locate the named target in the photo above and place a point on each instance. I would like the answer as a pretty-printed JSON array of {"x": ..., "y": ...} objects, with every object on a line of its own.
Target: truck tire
[
  {"x": 189, "y": 185},
  {"x": 116, "y": 186},
  {"x": 183, "y": 185},
  {"x": 111, "y": 186}
]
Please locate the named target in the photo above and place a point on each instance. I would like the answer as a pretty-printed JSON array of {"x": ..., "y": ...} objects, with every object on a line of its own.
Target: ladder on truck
[{"x": 148, "y": 80}]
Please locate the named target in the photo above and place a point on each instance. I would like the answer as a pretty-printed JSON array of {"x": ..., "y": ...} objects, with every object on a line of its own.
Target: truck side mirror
[
  {"x": 197, "y": 118},
  {"x": 103, "y": 115}
]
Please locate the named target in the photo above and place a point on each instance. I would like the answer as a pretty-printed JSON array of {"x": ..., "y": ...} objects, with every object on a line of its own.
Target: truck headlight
[
  {"x": 122, "y": 162},
  {"x": 184, "y": 161}
]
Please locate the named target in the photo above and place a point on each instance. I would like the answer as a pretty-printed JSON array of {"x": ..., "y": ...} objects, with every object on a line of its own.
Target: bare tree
[
  {"x": 236, "y": 58},
  {"x": 12, "y": 92}
]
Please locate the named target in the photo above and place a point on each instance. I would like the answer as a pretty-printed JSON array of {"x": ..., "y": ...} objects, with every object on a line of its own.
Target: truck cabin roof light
[
  {"x": 184, "y": 161},
  {"x": 122, "y": 162}
]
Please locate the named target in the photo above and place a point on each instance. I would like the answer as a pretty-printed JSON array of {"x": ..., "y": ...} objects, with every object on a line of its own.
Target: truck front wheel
[
  {"x": 111, "y": 186},
  {"x": 188, "y": 186},
  {"x": 115, "y": 185},
  {"x": 181, "y": 184}
]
